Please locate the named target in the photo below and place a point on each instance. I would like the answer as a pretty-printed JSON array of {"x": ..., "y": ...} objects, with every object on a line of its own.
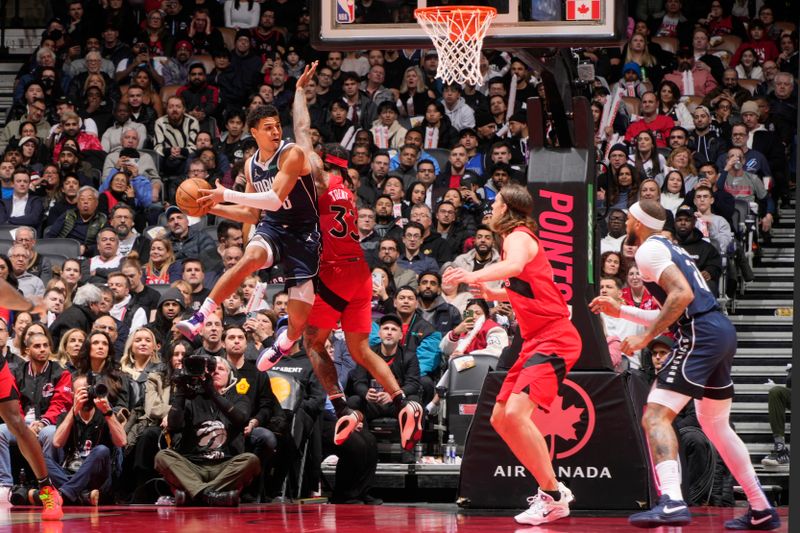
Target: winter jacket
[
  {"x": 48, "y": 393},
  {"x": 442, "y": 315}
]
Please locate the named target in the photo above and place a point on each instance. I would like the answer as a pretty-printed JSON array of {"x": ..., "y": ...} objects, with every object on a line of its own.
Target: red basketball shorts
[
  {"x": 344, "y": 294},
  {"x": 8, "y": 385},
  {"x": 543, "y": 363}
]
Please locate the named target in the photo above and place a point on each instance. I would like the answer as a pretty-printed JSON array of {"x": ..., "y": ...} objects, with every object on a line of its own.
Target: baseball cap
[
  {"x": 390, "y": 318},
  {"x": 662, "y": 339},
  {"x": 172, "y": 210},
  {"x": 684, "y": 211}
]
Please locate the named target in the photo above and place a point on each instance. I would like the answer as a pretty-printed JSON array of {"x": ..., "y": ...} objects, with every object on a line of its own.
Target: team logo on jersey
[{"x": 569, "y": 423}]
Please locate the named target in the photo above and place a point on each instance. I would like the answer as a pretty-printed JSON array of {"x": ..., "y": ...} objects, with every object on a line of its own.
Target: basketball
[{"x": 187, "y": 194}]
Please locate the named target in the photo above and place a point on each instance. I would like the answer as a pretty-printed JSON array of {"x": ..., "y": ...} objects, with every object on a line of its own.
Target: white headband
[{"x": 644, "y": 218}]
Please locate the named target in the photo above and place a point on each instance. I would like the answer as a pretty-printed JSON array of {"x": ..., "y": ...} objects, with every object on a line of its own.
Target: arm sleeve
[{"x": 260, "y": 200}]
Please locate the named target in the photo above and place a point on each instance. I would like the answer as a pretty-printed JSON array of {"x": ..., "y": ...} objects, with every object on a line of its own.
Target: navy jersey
[
  {"x": 655, "y": 255},
  {"x": 300, "y": 207}
]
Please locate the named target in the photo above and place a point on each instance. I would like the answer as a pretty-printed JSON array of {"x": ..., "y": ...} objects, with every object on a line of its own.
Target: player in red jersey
[
  {"x": 11, "y": 414},
  {"x": 551, "y": 345},
  {"x": 344, "y": 290}
]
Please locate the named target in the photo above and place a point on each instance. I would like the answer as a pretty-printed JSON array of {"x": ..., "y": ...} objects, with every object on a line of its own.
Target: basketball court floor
[{"x": 274, "y": 518}]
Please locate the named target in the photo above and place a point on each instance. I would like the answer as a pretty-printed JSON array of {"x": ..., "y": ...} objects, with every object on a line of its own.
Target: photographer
[
  {"x": 207, "y": 415},
  {"x": 88, "y": 435}
]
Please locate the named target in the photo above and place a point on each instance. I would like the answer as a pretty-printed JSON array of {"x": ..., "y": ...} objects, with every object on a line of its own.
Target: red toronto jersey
[
  {"x": 533, "y": 294},
  {"x": 337, "y": 218}
]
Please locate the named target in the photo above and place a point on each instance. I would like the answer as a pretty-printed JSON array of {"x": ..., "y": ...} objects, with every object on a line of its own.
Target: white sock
[
  {"x": 669, "y": 479},
  {"x": 208, "y": 307}
]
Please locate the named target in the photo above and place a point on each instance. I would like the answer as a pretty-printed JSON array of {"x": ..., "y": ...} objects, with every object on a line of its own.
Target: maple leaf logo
[
  {"x": 558, "y": 422},
  {"x": 583, "y": 9}
]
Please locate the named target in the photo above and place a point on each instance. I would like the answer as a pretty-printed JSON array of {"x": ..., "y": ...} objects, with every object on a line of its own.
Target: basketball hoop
[{"x": 457, "y": 33}]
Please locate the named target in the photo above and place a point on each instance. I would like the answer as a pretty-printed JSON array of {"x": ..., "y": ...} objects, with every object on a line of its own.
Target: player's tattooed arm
[{"x": 301, "y": 121}]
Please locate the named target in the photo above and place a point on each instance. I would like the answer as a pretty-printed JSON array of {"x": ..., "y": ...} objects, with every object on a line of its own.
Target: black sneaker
[
  {"x": 778, "y": 457},
  {"x": 759, "y": 520}
]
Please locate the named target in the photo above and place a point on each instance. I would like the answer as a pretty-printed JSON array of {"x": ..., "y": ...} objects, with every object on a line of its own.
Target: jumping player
[
  {"x": 345, "y": 285},
  {"x": 10, "y": 412},
  {"x": 551, "y": 345},
  {"x": 698, "y": 368},
  {"x": 279, "y": 183}
]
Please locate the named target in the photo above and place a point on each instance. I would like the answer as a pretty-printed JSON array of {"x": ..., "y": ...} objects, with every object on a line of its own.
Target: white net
[{"x": 457, "y": 35}]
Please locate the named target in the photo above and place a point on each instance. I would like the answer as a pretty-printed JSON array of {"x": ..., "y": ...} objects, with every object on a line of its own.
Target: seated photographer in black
[
  {"x": 207, "y": 464},
  {"x": 266, "y": 418},
  {"x": 89, "y": 434},
  {"x": 97, "y": 356}
]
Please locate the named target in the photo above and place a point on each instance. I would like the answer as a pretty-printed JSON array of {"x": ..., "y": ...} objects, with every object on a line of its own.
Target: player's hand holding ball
[
  {"x": 189, "y": 194},
  {"x": 211, "y": 197}
]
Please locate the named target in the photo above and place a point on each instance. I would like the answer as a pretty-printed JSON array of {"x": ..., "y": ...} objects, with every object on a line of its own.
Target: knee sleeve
[
  {"x": 675, "y": 401},
  {"x": 303, "y": 292}
]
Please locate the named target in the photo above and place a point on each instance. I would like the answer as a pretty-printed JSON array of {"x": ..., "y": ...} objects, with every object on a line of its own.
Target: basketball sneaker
[
  {"x": 543, "y": 508},
  {"x": 272, "y": 355},
  {"x": 51, "y": 501},
  {"x": 666, "y": 513},
  {"x": 779, "y": 456},
  {"x": 191, "y": 327},
  {"x": 346, "y": 425},
  {"x": 410, "y": 420},
  {"x": 759, "y": 520}
]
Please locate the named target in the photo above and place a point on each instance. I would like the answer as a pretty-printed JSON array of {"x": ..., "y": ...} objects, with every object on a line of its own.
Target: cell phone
[
  {"x": 377, "y": 279},
  {"x": 469, "y": 313},
  {"x": 375, "y": 385}
]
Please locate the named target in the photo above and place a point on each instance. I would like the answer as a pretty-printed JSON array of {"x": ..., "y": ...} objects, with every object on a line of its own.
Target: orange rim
[{"x": 457, "y": 17}]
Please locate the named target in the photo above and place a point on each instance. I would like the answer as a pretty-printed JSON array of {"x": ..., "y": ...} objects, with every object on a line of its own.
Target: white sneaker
[
  {"x": 5, "y": 496},
  {"x": 543, "y": 508}
]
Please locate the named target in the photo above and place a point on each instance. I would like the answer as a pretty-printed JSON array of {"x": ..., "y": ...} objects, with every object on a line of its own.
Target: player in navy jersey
[
  {"x": 551, "y": 345},
  {"x": 345, "y": 286},
  {"x": 279, "y": 183},
  {"x": 699, "y": 368}
]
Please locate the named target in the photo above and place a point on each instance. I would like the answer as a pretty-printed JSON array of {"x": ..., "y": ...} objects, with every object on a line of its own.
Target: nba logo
[{"x": 345, "y": 11}]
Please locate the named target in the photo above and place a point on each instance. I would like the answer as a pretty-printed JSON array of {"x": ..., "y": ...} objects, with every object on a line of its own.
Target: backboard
[{"x": 336, "y": 24}]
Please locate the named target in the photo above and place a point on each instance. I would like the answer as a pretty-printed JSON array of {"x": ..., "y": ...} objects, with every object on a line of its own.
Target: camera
[
  {"x": 94, "y": 389},
  {"x": 196, "y": 369}
]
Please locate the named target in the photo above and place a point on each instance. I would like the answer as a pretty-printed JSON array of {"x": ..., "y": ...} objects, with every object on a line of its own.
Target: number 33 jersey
[
  {"x": 655, "y": 255},
  {"x": 337, "y": 217}
]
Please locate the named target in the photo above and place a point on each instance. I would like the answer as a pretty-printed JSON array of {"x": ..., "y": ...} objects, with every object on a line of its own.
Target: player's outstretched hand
[
  {"x": 633, "y": 343},
  {"x": 211, "y": 197},
  {"x": 454, "y": 276},
  {"x": 605, "y": 304},
  {"x": 308, "y": 73},
  {"x": 39, "y": 307}
]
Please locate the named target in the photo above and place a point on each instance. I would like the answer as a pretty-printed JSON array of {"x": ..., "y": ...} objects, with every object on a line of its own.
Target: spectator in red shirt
[{"x": 660, "y": 125}]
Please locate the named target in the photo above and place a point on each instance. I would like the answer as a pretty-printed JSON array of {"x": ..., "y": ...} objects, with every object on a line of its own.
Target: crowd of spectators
[{"x": 123, "y": 100}]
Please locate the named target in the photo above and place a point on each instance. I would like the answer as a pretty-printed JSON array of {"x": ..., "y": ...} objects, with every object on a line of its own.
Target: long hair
[
  {"x": 10, "y": 277},
  {"x": 614, "y": 187},
  {"x": 520, "y": 210},
  {"x": 128, "y": 361},
  {"x": 62, "y": 356},
  {"x": 110, "y": 370},
  {"x": 653, "y": 155},
  {"x": 681, "y": 193},
  {"x": 170, "y": 255},
  {"x": 421, "y": 85}
]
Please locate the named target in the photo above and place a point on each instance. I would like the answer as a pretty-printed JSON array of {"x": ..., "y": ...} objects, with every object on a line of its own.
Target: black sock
[
  {"x": 44, "y": 482},
  {"x": 339, "y": 406},
  {"x": 555, "y": 494}
]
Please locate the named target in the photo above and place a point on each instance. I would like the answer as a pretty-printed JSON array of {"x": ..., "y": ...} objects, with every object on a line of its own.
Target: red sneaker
[
  {"x": 51, "y": 501},
  {"x": 410, "y": 419},
  {"x": 346, "y": 425}
]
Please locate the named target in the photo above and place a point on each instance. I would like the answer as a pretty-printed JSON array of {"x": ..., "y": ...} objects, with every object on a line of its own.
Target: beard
[
  {"x": 632, "y": 240},
  {"x": 383, "y": 219},
  {"x": 428, "y": 296}
]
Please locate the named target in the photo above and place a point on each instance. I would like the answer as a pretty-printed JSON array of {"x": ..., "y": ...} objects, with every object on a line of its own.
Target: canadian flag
[{"x": 583, "y": 9}]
